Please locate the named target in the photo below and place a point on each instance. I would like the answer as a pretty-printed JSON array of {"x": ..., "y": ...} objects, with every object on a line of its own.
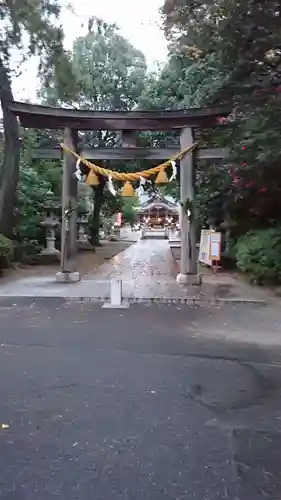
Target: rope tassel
[
  {"x": 174, "y": 173},
  {"x": 162, "y": 177},
  {"x": 92, "y": 179},
  {"x": 78, "y": 173},
  {"x": 140, "y": 190},
  {"x": 110, "y": 186},
  {"x": 128, "y": 190}
]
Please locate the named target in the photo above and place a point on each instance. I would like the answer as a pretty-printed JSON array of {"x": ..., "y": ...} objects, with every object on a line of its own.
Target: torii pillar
[
  {"x": 188, "y": 261},
  {"x": 68, "y": 272}
]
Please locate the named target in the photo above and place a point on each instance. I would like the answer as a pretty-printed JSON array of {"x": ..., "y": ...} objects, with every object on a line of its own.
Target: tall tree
[
  {"x": 243, "y": 39},
  {"x": 31, "y": 28},
  {"x": 244, "y": 36},
  {"x": 110, "y": 75}
]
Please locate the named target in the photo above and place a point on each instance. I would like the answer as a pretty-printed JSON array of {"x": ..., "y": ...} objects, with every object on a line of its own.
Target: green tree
[
  {"x": 187, "y": 82},
  {"x": 111, "y": 75},
  {"x": 241, "y": 42},
  {"x": 128, "y": 209},
  {"x": 30, "y": 27},
  {"x": 184, "y": 82},
  {"x": 244, "y": 36},
  {"x": 35, "y": 180},
  {"x": 32, "y": 191}
]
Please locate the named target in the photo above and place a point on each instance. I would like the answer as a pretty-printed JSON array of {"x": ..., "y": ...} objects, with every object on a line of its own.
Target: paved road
[
  {"x": 148, "y": 403},
  {"x": 146, "y": 259}
]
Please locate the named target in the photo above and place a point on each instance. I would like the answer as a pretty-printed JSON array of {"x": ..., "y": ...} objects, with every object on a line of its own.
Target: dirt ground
[{"x": 87, "y": 261}]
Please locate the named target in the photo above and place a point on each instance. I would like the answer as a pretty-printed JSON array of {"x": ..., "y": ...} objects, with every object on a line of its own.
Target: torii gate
[{"x": 128, "y": 124}]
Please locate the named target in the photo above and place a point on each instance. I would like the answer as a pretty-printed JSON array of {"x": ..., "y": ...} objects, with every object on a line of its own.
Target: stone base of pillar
[
  {"x": 68, "y": 277},
  {"x": 189, "y": 279}
]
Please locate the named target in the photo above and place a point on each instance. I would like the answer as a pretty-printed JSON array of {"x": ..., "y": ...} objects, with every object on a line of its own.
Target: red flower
[
  {"x": 243, "y": 148},
  {"x": 250, "y": 184},
  {"x": 236, "y": 180},
  {"x": 221, "y": 119},
  {"x": 244, "y": 164},
  {"x": 263, "y": 190}
]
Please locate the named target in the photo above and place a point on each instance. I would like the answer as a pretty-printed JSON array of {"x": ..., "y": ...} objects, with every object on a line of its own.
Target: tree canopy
[
  {"x": 111, "y": 75},
  {"x": 31, "y": 28},
  {"x": 244, "y": 35},
  {"x": 229, "y": 51}
]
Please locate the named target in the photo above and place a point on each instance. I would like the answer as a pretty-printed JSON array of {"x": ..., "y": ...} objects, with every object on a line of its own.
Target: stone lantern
[
  {"x": 82, "y": 221},
  {"x": 227, "y": 225},
  {"x": 50, "y": 222}
]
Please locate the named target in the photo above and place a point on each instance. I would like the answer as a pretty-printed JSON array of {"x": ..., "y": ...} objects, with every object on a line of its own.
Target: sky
[{"x": 139, "y": 21}]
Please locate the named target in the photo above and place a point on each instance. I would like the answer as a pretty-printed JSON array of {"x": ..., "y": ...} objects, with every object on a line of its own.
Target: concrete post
[
  {"x": 68, "y": 271},
  {"x": 116, "y": 301},
  {"x": 188, "y": 260},
  {"x": 116, "y": 292}
]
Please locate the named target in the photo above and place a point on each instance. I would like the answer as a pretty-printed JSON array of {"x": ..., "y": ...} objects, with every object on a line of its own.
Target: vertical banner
[
  {"x": 216, "y": 246},
  {"x": 210, "y": 247},
  {"x": 204, "y": 249}
]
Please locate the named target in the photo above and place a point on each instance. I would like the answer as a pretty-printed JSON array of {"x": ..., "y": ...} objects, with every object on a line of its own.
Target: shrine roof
[
  {"x": 37, "y": 116},
  {"x": 158, "y": 202}
]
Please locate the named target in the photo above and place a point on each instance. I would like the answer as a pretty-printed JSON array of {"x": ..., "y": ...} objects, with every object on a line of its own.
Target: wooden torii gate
[{"x": 128, "y": 124}]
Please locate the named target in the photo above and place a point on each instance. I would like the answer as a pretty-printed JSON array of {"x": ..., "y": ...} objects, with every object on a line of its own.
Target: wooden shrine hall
[
  {"x": 128, "y": 124},
  {"x": 158, "y": 211}
]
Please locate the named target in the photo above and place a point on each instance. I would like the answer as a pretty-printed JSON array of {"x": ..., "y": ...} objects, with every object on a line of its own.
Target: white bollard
[
  {"x": 116, "y": 296},
  {"x": 116, "y": 292}
]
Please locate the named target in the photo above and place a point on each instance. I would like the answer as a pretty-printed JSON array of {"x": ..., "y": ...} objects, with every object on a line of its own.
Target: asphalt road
[{"x": 149, "y": 403}]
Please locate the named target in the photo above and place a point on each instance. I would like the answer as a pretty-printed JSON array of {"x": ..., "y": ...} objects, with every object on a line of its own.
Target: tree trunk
[
  {"x": 95, "y": 223},
  {"x": 9, "y": 170}
]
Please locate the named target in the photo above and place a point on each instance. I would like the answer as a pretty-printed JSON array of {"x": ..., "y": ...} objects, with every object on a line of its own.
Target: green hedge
[
  {"x": 6, "y": 251},
  {"x": 258, "y": 253}
]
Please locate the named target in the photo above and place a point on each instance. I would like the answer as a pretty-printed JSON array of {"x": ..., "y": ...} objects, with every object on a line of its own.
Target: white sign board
[
  {"x": 216, "y": 246},
  {"x": 210, "y": 247},
  {"x": 204, "y": 249}
]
